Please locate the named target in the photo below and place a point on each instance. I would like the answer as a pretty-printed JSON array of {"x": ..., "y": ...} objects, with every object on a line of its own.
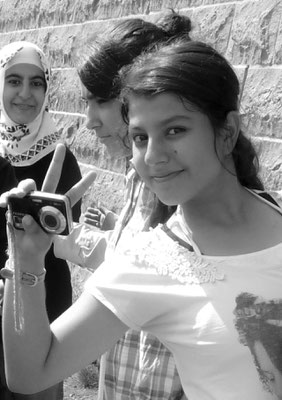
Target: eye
[
  {"x": 101, "y": 100},
  {"x": 139, "y": 139},
  {"x": 176, "y": 130},
  {"x": 13, "y": 82},
  {"x": 38, "y": 83}
]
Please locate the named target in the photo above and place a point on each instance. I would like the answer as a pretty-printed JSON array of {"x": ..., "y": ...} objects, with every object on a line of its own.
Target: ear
[{"x": 231, "y": 132}]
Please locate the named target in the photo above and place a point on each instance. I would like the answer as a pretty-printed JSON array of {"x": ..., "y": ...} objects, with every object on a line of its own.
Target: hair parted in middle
[{"x": 204, "y": 79}]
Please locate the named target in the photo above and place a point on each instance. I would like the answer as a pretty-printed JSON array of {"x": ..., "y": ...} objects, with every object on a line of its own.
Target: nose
[
  {"x": 93, "y": 120},
  {"x": 156, "y": 152},
  {"x": 25, "y": 91}
]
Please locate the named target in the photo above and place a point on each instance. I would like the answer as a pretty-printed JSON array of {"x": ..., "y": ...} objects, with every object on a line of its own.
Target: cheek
[
  {"x": 6, "y": 97},
  {"x": 138, "y": 160},
  {"x": 41, "y": 98}
]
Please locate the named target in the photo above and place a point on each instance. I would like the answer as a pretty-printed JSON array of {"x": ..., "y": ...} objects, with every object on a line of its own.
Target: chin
[{"x": 168, "y": 201}]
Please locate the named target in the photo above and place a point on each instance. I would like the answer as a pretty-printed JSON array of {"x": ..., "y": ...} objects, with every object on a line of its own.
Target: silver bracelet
[{"x": 26, "y": 278}]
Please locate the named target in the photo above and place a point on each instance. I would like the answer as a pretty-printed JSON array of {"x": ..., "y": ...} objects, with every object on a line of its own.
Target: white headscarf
[{"x": 24, "y": 144}]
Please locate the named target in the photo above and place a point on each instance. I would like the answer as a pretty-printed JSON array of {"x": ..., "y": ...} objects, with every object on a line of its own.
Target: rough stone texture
[
  {"x": 255, "y": 32},
  {"x": 261, "y": 102},
  {"x": 247, "y": 32},
  {"x": 107, "y": 190},
  {"x": 270, "y": 155}
]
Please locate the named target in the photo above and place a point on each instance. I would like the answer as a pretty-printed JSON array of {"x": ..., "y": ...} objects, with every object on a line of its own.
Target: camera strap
[{"x": 13, "y": 266}]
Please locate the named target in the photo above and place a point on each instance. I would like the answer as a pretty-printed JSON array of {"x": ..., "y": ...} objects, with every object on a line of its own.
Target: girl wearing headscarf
[{"x": 28, "y": 137}]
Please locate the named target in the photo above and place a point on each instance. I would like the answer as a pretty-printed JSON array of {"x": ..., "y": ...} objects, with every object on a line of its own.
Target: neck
[{"x": 222, "y": 204}]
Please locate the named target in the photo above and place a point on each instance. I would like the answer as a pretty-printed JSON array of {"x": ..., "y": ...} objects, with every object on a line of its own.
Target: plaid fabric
[{"x": 139, "y": 367}]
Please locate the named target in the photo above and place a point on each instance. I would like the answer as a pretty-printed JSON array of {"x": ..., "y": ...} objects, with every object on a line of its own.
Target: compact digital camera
[{"x": 51, "y": 211}]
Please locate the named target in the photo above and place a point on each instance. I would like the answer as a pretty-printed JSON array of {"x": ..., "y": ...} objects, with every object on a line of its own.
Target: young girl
[
  {"x": 28, "y": 137},
  {"x": 185, "y": 281},
  {"x": 139, "y": 365}
]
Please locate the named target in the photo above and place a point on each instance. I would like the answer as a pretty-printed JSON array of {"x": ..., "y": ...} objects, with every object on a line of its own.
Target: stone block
[
  {"x": 65, "y": 45},
  {"x": 261, "y": 102},
  {"x": 271, "y": 162},
  {"x": 213, "y": 25},
  {"x": 65, "y": 93},
  {"x": 255, "y": 33},
  {"x": 107, "y": 190},
  {"x": 88, "y": 149}
]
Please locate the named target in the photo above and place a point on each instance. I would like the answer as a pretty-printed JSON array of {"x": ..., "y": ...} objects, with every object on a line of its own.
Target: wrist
[
  {"x": 25, "y": 278},
  {"x": 33, "y": 265}
]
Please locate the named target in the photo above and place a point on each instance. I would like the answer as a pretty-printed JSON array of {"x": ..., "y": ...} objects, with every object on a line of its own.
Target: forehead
[
  {"x": 163, "y": 105},
  {"x": 24, "y": 70}
]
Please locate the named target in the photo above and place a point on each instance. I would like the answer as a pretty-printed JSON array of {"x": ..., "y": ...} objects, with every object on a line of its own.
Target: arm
[{"x": 43, "y": 355}]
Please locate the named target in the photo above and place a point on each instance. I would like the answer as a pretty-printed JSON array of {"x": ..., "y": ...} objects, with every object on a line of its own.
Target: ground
[
  {"x": 75, "y": 390},
  {"x": 83, "y": 385}
]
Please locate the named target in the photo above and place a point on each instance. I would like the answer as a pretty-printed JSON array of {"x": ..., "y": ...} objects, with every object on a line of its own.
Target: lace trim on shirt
[
  {"x": 38, "y": 147},
  {"x": 169, "y": 258}
]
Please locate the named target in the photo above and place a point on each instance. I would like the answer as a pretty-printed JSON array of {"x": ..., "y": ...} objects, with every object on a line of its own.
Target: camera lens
[{"x": 52, "y": 220}]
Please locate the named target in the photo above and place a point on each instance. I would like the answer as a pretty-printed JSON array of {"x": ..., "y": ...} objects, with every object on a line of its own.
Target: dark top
[
  {"x": 58, "y": 279},
  {"x": 7, "y": 182}
]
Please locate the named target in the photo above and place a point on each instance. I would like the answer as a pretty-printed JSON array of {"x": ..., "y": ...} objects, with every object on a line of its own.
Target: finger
[
  {"x": 77, "y": 191},
  {"x": 103, "y": 210},
  {"x": 90, "y": 221},
  {"x": 27, "y": 185},
  {"x": 54, "y": 171},
  {"x": 92, "y": 217},
  {"x": 94, "y": 213},
  {"x": 4, "y": 199},
  {"x": 21, "y": 190},
  {"x": 30, "y": 225}
]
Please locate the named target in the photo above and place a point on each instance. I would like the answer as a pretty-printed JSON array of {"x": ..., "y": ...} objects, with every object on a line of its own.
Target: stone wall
[{"x": 247, "y": 32}]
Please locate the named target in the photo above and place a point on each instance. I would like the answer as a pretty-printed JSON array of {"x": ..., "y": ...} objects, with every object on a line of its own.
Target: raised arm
[{"x": 42, "y": 355}]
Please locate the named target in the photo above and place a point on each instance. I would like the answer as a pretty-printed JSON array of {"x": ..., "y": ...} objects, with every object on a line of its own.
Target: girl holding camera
[{"x": 180, "y": 281}]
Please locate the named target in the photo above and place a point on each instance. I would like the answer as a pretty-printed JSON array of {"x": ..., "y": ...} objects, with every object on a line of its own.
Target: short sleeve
[{"x": 140, "y": 286}]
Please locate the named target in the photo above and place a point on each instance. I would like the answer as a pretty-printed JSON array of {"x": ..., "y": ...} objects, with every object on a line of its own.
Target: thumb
[
  {"x": 29, "y": 224},
  {"x": 103, "y": 210}
]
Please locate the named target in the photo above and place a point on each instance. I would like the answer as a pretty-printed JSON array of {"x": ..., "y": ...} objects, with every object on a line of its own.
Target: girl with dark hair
[
  {"x": 180, "y": 280},
  {"x": 139, "y": 365}
]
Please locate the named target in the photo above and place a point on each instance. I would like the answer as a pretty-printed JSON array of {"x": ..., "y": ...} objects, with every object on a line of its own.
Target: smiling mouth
[
  {"x": 104, "y": 137},
  {"x": 166, "y": 177},
  {"x": 24, "y": 106}
]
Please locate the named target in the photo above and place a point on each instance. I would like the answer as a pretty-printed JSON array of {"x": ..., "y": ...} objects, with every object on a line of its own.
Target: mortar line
[
  {"x": 100, "y": 169},
  {"x": 267, "y": 139},
  {"x": 117, "y": 19}
]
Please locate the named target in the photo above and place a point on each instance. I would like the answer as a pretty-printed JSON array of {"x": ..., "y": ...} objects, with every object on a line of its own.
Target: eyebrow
[
  {"x": 20, "y": 77},
  {"x": 165, "y": 121}
]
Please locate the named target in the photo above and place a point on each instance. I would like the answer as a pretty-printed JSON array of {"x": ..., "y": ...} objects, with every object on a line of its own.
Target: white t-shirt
[{"x": 220, "y": 316}]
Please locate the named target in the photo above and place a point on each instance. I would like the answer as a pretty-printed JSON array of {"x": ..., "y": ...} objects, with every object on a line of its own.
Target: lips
[
  {"x": 165, "y": 176},
  {"x": 103, "y": 138},
  {"x": 24, "y": 106}
]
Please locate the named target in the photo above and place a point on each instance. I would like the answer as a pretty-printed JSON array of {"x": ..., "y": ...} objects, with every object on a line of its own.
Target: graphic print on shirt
[{"x": 259, "y": 324}]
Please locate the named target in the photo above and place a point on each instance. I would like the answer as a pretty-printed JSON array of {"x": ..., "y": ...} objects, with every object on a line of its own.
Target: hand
[
  {"x": 101, "y": 218},
  {"x": 33, "y": 242}
]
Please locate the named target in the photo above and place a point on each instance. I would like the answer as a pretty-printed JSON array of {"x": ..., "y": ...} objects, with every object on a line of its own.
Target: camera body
[{"x": 51, "y": 211}]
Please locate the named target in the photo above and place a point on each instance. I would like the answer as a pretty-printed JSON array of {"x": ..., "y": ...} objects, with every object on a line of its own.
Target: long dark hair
[
  {"x": 200, "y": 75},
  {"x": 119, "y": 46}
]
